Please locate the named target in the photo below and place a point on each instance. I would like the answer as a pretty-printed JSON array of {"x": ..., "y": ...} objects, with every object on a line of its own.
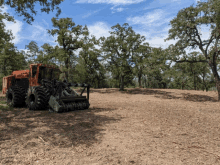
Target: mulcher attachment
[
  {"x": 74, "y": 103},
  {"x": 65, "y": 99}
]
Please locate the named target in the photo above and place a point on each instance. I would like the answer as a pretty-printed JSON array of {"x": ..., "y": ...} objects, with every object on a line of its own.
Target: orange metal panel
[{"x": 6, "y": 83}]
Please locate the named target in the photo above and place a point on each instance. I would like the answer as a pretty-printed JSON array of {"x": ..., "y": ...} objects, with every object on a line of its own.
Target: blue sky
[{"x": 149, "y": 18}]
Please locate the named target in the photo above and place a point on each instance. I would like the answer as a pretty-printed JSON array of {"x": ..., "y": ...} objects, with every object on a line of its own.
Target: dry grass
[{"x": 137, "y": 126}]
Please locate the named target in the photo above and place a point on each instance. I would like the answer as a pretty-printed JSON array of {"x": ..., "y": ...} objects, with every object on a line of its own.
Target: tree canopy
[
  {"x": 26, "y": 8},
  {"x": 118, "y": 49},
  {"x": 185, "y": 28}
]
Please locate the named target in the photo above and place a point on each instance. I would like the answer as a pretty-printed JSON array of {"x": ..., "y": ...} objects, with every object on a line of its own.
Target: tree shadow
[
  {"x": 171, "y": 95},
  {"x": 67, "y": 129},
  {"x": 133, "y": 91},
  {"x": 159, "y": 94},
  {"x": 197, "y": 98},
  {"x": 105, "y": 90}
]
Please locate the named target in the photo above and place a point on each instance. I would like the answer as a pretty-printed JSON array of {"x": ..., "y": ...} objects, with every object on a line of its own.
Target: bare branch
[
  {"x": 200, "y": 41},
  {"x": 210, "y": 40}
]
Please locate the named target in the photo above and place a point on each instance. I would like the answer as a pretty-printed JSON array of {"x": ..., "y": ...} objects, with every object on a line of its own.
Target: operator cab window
[
  {"x": 34, "y": 70},
  {"x": 41, "y": 73}
]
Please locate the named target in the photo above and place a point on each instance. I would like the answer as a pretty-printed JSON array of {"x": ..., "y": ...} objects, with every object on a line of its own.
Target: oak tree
[
  {"x": 140, "y": 59},
  {"x": 185, "y": 28},
  {"x": 68, "y": 38},
  {"x": 118, "y": 48}
]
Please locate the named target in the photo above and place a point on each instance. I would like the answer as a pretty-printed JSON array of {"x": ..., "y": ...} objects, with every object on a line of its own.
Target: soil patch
[{"x": 136, "y": 126}]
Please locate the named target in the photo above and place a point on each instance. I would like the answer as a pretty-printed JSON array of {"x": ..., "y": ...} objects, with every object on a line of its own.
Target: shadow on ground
[
  {"x": 171, "y": 95},
  {"x": 67, "y": 129},
  {"x": 198, "y": 98},
  {"x": 158, "y": 93}
]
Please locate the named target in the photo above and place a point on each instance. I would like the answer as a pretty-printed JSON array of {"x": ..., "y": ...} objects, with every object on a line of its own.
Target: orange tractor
[{"x": 39, "y": 88}]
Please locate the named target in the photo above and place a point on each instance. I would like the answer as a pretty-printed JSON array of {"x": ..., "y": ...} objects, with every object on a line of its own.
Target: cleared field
[{"x": 140, "y": 126}]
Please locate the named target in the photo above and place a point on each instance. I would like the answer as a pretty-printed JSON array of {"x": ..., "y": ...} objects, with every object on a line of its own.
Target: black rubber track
[
  {"x": 41, "y": 98},
  {"x": 15, "y": 96}
]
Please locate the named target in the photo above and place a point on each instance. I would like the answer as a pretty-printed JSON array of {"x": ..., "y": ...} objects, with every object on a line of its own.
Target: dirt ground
[{"x": 140, "y": 126}]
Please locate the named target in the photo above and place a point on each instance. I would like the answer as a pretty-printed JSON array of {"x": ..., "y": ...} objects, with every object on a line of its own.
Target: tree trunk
[
  {"x": 164, "y": 85},
  {"x": 194, "y": 79},
  {"x": 145, "y": 81},
  {"x": 203, "y": 82},
  {"x": 122, "y": 83},
  {"x": 98, "y": 82},
  {"x": 139, "y": 80},
  {"x": 216, "y": 77},
  {"x": 66, "y": 72},
  {"x": 119, "y": 83},
  {"x": 218, "y": 88}
]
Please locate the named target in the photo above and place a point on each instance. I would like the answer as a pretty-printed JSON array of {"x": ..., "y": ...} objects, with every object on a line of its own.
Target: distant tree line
[{"x": 124, "y": 56}]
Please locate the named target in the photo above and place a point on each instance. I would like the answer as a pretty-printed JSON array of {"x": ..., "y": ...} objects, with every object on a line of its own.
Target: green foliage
[
  {"x": 155, "y": 79},
  {"x": 140, "y": 59},
  {"x": 185, "y": 28},
  {"x": 68, "y": 40},
  {"x": 10, "y": 60},
  {"x": 89, "y": 68},
  {"x": 33, "y": 49},
  {"x": 122, "y": 48},
  {"x": 26, "y": 8},
  {"x": 118, "y": 48}
]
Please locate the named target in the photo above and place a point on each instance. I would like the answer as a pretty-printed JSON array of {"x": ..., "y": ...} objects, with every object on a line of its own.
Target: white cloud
[
  {"x": 39, "y": 30},
  {"x": 45, "y": 23},
  {"x": 147, "y": 18},
  {"x": 162, "y": 3},
  {"x": 38, "y": 33},
  {"x": 87, "y": 15},
  {"x": 196, "y": 1},
  {"x": 14, "y": 27},
  {"x": 152, "y": 23},
  {"x": 115, "y": 2},
  {"x": 25, "y": 50},
  {"x": 153, "y": 20},
  {"x": 4, "y": 9},
  {"x": 118, "y": 9},
  {"x": 159, "y": 42},
  {"x": 99, "y": 29}
]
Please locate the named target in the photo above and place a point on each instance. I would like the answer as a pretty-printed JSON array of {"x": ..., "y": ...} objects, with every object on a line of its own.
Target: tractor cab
[
  {"x": 48, "y": 73},
  {"x": 42, "y": 71}
]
